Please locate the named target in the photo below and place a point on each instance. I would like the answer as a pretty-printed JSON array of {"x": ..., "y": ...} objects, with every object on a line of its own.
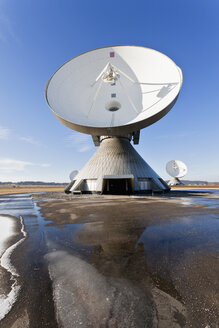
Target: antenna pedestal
[
  {"x": 174, "y": 182},
  {"x": 116, "y": 168}
]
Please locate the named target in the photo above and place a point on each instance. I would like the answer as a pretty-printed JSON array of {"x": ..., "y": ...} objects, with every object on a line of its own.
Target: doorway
[{"x": 117, "y": 186}]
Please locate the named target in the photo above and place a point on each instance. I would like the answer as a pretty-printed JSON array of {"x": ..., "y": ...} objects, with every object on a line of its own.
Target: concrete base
[
  {"x": 175, "y": 182},
  {"x": 116, "y": 168}
]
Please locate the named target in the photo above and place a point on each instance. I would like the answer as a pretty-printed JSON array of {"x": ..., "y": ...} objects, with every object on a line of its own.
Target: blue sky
[{"x": 36, "y": 37}]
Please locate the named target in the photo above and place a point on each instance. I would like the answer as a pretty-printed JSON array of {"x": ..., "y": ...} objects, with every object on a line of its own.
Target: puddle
[
  {"x": 209, "y": 199},
  {"x": 118, "y": 258}
]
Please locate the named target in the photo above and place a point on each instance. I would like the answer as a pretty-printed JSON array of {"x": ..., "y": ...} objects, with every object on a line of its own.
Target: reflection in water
[
  {"x": 115, "y": 263},
  {"x": 209, "y": 203},
  {"x": 115, "y": 289},
  {"x": 135, "y": 255},
  {"x": 116, "y": 249},
  {"x": 120, "y": 259},
  {"x": 119, "y": 252}
]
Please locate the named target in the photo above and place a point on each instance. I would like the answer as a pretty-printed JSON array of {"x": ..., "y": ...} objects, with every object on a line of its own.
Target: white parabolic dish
[
  {"x": 73, "y": 174},
  {"x": 114, "y": 90},
  {"x": 176, "y": 168}
]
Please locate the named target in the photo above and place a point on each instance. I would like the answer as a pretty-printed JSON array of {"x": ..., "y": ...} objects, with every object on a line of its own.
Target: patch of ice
[
  {"x": 7, "y": 301},
  {"x": 84, "y": 297},
  {"x": 6, "y": 231}
]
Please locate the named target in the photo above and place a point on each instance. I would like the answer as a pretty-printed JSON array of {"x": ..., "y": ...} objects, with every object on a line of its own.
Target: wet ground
[{"x": 104, "y": 261}]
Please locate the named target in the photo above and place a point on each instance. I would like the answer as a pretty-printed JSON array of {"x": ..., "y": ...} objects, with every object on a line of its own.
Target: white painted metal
[
  {"x": 73, "y": 174},
  {"x": 114, "y": 90},
  {"x": 174, "y": 182},
  {"x": 176, "y": 168},
  {"x": 90, "y": 184}
]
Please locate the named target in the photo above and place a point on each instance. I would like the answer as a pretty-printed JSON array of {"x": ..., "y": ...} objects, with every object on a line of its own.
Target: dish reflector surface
[
  {"x": 176, "y": 168},
  {"x": 73, "y": 174},
  {"x": 128, "y": 87}
]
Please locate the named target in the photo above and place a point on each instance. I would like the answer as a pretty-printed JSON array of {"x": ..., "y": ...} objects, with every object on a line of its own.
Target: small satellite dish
[
  {"x": 73, "y": 174},
  {"x": 176, "y": 169}
]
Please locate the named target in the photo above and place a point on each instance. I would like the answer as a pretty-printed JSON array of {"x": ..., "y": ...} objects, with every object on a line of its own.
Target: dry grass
[
  {"x": 207, "y": 187},
  {"x": 5, "y": 190}
]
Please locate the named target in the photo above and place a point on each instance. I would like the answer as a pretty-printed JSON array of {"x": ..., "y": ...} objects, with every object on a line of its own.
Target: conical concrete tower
[{"x": 116, "y": 168}]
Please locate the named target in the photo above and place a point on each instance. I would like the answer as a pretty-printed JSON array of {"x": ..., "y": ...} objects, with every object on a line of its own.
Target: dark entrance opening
[{"x": 117, "y": 186}]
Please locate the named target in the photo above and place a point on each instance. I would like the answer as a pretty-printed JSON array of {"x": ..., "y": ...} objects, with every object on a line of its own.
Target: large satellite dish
[
  {"x": 176, "y": 169},
  {"x": 112, "y": 93},
  {"x": 118, "y": 89}
]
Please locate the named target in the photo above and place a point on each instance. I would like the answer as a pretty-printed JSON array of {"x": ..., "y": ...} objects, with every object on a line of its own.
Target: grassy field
[
  {"x": 208, "y": 187},
  {"x": 5, "y": 190}
]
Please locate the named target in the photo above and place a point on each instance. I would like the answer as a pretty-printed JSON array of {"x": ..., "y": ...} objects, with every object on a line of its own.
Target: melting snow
[{"x": 7, "y": 227}]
